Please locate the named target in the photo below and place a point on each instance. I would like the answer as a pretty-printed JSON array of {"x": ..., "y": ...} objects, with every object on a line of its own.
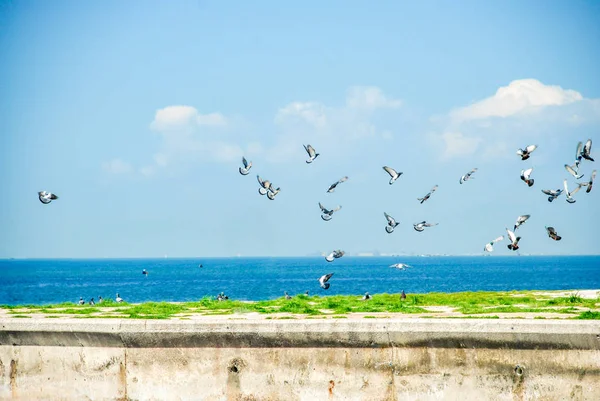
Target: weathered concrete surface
[{"x": 432, "y": 359}]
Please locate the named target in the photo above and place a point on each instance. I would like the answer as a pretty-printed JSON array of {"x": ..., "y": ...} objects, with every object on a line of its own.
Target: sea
[{"x": 50, "y": 281}]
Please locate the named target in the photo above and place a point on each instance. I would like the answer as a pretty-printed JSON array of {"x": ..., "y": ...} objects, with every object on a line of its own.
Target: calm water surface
[{"x": 53, "y": 281}]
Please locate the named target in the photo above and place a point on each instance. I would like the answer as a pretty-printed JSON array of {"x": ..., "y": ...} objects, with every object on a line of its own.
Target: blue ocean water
[{"x": 54, "y": 281}]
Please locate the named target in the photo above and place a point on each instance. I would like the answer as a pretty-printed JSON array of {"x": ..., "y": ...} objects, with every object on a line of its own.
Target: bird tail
[{"x": 421, "y": 199}]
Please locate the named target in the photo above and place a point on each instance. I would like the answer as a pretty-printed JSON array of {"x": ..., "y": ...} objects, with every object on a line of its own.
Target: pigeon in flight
[
  {"x": 272, "y": 192},
  {"x": 467, "y": 176},
  {"x": 393, "y": 174},
  {"x": 520, "y": 220},
  {"x": 400, "y": 266},
  {"x": 570, "y": 194},
  {"x": 489, "y": 247},
  {"x": 553, "y": 234},
  {"x": 587, "y": 149},
  {"x": 323, "y": 281},
  {"x": 514, "y": 240},
  {"x": 46, "y": 197},
  {"x": 366, "y": 297},
  {"x": 335, "y": 184},
  {"x": 423, "y": 199},
  {"x": 525, "y": 153},
  {"x": 311, "y": 153},
  {"x": 327, "y": 214},
  {"x": 247, "y": 166},
  {"x": 287, "y": 296},
  {"x": 392, "y": 223},
  {"x": 334, "y": 255},
  {"x": 265, "y": 185},
  {"x": 578, "y": 156},
  {"x": 421, "y": 226},
  {"x": 572, "y": 171},
  {"x": 525, "y": 176},
  {"x": 552, "y": 194},
  {"x": 588, "y": 184}
]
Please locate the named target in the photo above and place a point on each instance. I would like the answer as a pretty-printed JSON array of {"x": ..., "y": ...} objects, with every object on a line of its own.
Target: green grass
[{"x": 336, "y": 306}]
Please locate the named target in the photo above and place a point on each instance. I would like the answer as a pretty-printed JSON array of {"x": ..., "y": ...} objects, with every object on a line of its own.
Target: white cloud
[
  {"x": 117, "y": 166},
  {"x": 457, "y": 144},
  {"x": 369, "y": 98},
  {"x": 312, "y": 113},
  {"x": 519, "y": 97},
  {"x": 173, "y": 118},
  {"x": 215, "y": 119}
]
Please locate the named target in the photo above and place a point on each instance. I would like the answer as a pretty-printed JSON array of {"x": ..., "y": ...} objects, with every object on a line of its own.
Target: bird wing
[
  {"x": 551, "y": 230},
  {"x": 520, "y": 152},
  {"x": 327, "y": 277},
  {"x": 310, "y": 150},
  {"x": 500, "y": 238},
  {"x": 530, "y": 148},
  {"x": 435, "y": 187},
  {"x": 566, "y": 188},
  {"x": 587, "y": 148},
  {"x": 576, "y": 190},
  {"x": 523, "y": 218},
  {"x": 336, "y": 209},
  {"x": 52, "y": 196},
  {"x": 570, "y": 170},
  {"x": 472, "y": 171},
  {"x": 260, "y": 181},
  {"x": 548, "y": 192},
  {"x": 343, "y": 179},
  {"x": 245, "y": 162},
  {"x": 511, "y": 235},
  {"x": 323, "y": 208},
  {"x": 579, "y": 149},
  {"x": 526, "y": 173},
  {"x": 593, "y": 177},
  {"x": 430, "y": 224},
  {"x": 390, "y": 171},
  {"x": 389, "y": 218}
]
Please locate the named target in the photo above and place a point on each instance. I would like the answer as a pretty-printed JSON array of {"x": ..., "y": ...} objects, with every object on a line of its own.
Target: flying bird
[
  {"x": 553, "y": 234},
  {"x": 572, "y": 171},
  {"x": 247, "y": 166},
  {"x": 421, "y": 226},
  {"x": 587, "y": 149},
  {"x": 46, "y": 197},
  {"x": 570, "y": 194},
  {"x": 590, "y": 183},
  {"x": 423, "y": 199},
  {"x": 525, "y": 153},
  {"x": 287, "y": 296},
  {"x": 400, "y": 266},
  {"x": 489, "y": 247},
  {"x": 327, "y": 214},
  {"x": 311, "y": 153},
  {"x": 335, "y": 184},
  {"x": 514, "y": 240},
  {"x": 323, "y": 281},
  {"x": 366, "y": 297},
  {"x": 552, "y": 194},
  {"x": 520, "y": 220},
  {"x": 525, "y": 176},
  {"x": 265, "y": 185},
  {"x": 467, "y": 176},
  {"x": 392, "y": 223},
  {"x": 272, "y": 192},
  {"x": 578, "y": 156},
  {"x": 334, "y": 255},
  {"x": 393, "y": 174}
]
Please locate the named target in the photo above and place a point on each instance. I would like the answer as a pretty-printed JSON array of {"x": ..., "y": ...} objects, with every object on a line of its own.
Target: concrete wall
[{"x": 427, "y": 359}]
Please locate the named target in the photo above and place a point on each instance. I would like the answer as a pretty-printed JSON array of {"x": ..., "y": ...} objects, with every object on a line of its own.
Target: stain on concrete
[
  {"x": 13, "y": 378},
  {"x": 234, "y": 387},
  {"x": 331, "y": 387},
  {"x": 123, "y": 378}
]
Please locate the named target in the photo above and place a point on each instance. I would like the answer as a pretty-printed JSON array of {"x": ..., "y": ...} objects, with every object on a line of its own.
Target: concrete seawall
[{"x": 374, "y": 359}]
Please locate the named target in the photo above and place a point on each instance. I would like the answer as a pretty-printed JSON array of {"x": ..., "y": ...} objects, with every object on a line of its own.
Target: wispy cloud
[
  {"x": 117, "y": 166},
  {"x": 519, "y": 97}
]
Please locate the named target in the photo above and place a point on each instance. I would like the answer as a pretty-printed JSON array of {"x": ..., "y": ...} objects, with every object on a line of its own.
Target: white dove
[
  {"x": 247, "y": 166},
  {"x": 489, "y": 247},
  {"x": 526, "y": 176},
  {"x": 311, "y": 153},
  {"x": 393, "y": 174},
  {"x": 570, "y": 194}
]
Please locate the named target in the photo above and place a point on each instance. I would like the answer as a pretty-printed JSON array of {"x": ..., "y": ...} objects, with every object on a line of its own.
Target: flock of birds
[{"x": 266, "y": 187}]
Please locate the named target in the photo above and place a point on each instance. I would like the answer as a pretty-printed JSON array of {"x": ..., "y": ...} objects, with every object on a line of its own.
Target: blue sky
[{"x": 137, "y": 114}]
